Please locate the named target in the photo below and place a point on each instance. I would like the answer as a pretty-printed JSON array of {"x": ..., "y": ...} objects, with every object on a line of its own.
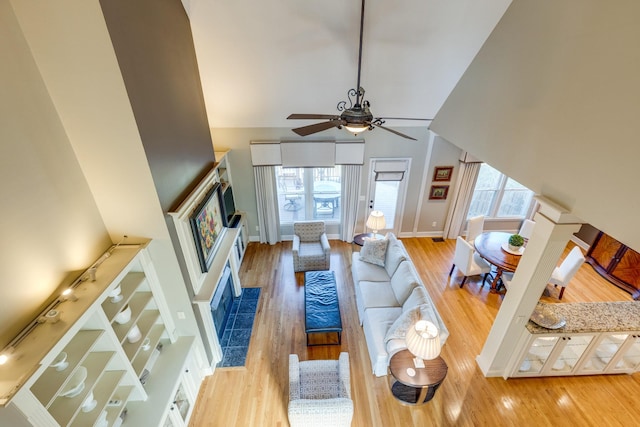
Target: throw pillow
[
  {"x": 398, "y": 329},
  {"x": 374, "y": 251},
  {"x": 418, "y": 297}
]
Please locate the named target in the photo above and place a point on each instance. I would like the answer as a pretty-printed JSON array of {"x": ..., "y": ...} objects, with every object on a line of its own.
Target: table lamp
[
  {"x": 423, "y": 341},
  {"x": 376, "y": 222}
]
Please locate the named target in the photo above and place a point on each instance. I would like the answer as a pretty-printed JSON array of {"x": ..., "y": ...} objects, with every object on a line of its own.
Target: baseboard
[{"x": 421, "y": 234}]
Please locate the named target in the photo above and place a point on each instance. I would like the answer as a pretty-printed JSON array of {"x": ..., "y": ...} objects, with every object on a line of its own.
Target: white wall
[
  {"x": 50, "y": 224},
  {"x": 75, "y": 59},
  {"x": 552, "y": 100}
]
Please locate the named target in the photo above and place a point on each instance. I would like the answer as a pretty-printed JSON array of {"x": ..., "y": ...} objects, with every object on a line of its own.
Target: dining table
[
  {"x": 493, "y": 247},
  {"x": 326, "y": 196}
]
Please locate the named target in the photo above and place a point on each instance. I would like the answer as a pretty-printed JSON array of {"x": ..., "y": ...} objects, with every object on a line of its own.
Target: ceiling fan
[{"x": 358, "y": 117}]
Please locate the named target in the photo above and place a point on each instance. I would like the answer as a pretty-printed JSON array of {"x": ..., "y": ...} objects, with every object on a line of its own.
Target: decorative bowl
[
  {"x": 76, "y": 383},
  {"x": 60, "y": 362},
  {"x": 124, "y": 316}
]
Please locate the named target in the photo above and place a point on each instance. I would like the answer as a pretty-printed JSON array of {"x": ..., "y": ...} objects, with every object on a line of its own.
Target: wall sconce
[{"x": 68, "y": 294}]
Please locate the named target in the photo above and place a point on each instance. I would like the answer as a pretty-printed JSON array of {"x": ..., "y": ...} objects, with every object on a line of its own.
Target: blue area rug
[{"x": 237, "y": 332}]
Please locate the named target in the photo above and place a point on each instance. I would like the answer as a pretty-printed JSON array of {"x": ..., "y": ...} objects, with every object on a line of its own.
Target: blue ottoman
[{"x": 321, "y": 309}]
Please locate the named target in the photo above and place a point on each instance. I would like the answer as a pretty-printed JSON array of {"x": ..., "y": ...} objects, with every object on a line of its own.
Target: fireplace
[{"x": 222, "y": 301}]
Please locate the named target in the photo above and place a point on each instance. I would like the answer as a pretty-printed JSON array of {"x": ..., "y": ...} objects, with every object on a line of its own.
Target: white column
[{"x": 554, "y": 227}]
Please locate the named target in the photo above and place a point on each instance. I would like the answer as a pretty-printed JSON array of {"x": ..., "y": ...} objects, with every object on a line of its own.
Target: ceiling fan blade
[
  {"x": 393, "y": 131},
  {"x": 404, "y": 118},
  {"x": 318, "y": 127},
  {"x": 312, "y": 116}
]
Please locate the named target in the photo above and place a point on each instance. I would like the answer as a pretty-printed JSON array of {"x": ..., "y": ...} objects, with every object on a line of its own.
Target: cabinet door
[
  {"x": 605, "y": 250},
  {"x": 628, "y": 268},
  {"x": 567, "y": 354},
  {"x": 603, "y": 355},
  {"x": 628, "y": 358},
  {"x": 537, "y": 355}
]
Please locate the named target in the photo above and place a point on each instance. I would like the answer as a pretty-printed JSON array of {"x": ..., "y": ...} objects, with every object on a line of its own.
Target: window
[
  {"x": 498, "y": 196},
  {"x": 309, "y": 193}
]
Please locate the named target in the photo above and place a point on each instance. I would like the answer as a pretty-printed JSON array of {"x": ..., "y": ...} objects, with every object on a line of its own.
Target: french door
[{"x": 387, "y": 190}]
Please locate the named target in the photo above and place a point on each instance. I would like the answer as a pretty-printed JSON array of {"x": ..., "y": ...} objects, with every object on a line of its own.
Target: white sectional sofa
[{"x": 390, "y": 297}]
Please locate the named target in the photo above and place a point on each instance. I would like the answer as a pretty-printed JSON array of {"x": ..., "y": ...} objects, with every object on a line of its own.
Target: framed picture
[
  {"x": 206, "y": 225},
  {"x": 442, "y": 173},
  {"x": 438, "y": 192}
]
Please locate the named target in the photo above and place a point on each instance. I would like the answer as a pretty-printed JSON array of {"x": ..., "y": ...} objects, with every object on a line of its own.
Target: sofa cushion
[
  {"x": 361, "y": 270},
  {"x": 418, "y": 296},
  {"x": 403, "y": 281},
  {"x": 376, "y": 323},
  {"x": 377, "y": 294},
  {"x": 395, "y": 255},
  {"x": 374, "y": 251}
]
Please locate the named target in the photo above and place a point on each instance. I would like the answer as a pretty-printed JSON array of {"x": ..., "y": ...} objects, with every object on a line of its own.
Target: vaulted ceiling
[{"x": 262, "y": 60}]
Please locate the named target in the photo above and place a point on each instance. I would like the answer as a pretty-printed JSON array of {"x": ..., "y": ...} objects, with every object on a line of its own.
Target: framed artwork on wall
[
  {"x": 442, "y": 173},
  {"x": 438, "y": 192},
  {"x": 206, "y": 225}
]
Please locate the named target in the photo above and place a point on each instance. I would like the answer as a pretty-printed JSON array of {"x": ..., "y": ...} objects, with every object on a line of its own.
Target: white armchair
[
  {"x": 320, "y": 392},
  {"x": 311, "y": 250}
]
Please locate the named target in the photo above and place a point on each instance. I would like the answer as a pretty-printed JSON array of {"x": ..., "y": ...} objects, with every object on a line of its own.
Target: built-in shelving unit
[
  {"x": 122, "y": 361},
  {"x": 230, "y": 248}
]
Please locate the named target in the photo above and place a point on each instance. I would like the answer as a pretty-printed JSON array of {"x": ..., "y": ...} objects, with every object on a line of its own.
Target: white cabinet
[
  {"x": 242, "y": 239},
  {"x": 593, "y": 353},
  {"x": 615, "y": 352},
  {"x": 113, "y": 358}
]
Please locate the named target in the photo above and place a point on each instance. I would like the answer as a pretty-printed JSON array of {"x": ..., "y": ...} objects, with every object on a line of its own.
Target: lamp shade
[
  {"x": 376, "y": 221},
  {"x": 423, "y": 340}
]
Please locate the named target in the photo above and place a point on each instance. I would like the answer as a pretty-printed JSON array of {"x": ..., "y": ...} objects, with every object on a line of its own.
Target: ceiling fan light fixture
[{"x": 356, "y": 128}]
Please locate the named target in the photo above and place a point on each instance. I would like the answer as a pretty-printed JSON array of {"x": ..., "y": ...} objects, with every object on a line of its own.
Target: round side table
[
  {"x": 359, "y": 239},
  {"x": 419, "y": 388}
]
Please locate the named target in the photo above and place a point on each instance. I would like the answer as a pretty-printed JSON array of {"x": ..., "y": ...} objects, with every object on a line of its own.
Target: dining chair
[
  {"x": 469, "y": 263},
  {"x": 526, "y": 228},
  {"x": 567, "y": 269},
  {"x": 506, "y": 279},
  {"x": 475, "y": 227}
]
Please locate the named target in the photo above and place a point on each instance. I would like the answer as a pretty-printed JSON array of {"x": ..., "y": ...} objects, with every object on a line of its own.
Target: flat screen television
[{"x": 229, "y": 206}]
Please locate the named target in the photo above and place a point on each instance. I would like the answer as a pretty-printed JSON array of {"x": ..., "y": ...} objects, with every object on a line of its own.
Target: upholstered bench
[{"x": 321, "y": 309}]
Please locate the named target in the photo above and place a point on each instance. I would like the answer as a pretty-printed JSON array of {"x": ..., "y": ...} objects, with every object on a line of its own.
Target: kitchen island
[{"x": 581, "y": 339}]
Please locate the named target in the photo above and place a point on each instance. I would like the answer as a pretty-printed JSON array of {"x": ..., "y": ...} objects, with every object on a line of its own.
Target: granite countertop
[{"x": 591, "y": 317}]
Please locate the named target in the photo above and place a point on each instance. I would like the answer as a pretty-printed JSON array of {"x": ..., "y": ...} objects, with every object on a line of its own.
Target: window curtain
[
  {"x": 267, "y": 203},
  {"x": 457, "y": 215},
  {"x": 349, "y": 212}
]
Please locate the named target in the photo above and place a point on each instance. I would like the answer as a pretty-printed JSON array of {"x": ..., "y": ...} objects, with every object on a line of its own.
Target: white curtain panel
[
  {"x": 456, "y": 217},
  {"x": 350, "y": 190},
  {"x": 267, "y": 200}
]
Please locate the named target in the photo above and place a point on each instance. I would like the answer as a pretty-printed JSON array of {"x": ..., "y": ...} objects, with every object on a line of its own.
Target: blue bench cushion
[{"x": 322, "y": 311}]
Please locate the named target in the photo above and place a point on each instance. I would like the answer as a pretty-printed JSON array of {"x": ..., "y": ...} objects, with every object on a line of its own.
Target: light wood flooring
[{"x": 257, "y": 394}]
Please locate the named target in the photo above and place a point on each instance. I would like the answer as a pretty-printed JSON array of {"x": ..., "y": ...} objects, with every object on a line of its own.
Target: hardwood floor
[{"x": 257, "y": 394}]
